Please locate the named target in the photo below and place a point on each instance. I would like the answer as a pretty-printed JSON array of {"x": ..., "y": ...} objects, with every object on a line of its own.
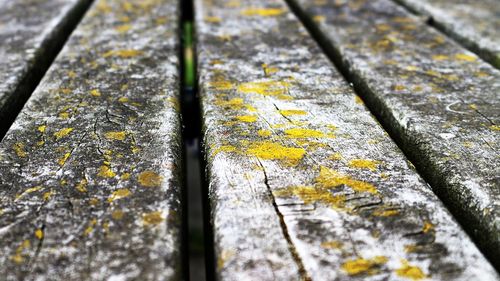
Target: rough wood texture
[
  {"x": 475, "y": 24},
  {"x": 303, "y": 182},
  {"x": 90, "y": 186},
  {"x": 31, "y": 32},
  {"x": 438, "y": 100}
]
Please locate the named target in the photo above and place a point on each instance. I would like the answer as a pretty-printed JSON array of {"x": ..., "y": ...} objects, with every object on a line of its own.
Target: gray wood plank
[
  {"x": 437, "y": 99},
  {"x": 303, "y": 182},
  {"x": 90, "y": 170},
  {"x": 475, "y": 24},
  {"x": 31, "y": 33}
]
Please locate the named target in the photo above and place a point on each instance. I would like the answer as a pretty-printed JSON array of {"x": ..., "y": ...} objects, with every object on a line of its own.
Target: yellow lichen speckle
[
  {"x": 224, "y": 148},
  {"x": 120, "y": 135},
  {"x": 331, "y": 245},
  {"x": 264, "y": 133},
  {"x": 329, "y": 178},
  {"x": 18, "y": 148},
  {"x": 82, "y": 185},
  {"x": 42, "y": 128},
  {"x": 409, "y": 271},
  {"x": 311, "y": 194},
  {"x": 117, "y": 215},
  {"x": 274, "y": 151},
  {"x": 119, "y": 194},
  {"x": 385, "y": 213},
  {"x": 39, "y": 234},
  {"x": 63, "y": 159},
  {"x": 152, "y": 218},
  {"x": 263, "y": 12},
  {"x": 465, "y": 57},
  {"x": 18, "y": 257},
  {"x": 123, "y": 99},
  {"x": 213, "y": 19},
  {"x": 304, "y": 133},
  {"x": 62, "y": 133},
  {"x": 149, "y": 179},
  {"x": 292, "y": 112},
  {"x": 221, "y": 85},
  {"x": 428, "y": 226},
  {"x": 364, "y": 164},
  {"x": 440, "y": 57},
  {"x": 360, "y": 265},
  {"x": 123, "y": 28},
  {"x": 495, "y": 127},
  {"x": 28, "y": 191},
  {"x": 266, "y": 88},
  {"x": 247, "y": 118},
  {"x": 122, "y": 53},
  {"x": 95, "y": 93},
  {"x": 106, "y": 172}
]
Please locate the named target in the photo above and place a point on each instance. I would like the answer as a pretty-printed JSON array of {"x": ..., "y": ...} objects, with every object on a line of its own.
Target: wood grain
[
  {"x": 90, "y": 170},
  {"x": 303, "y": 182},
  {"x": 437, "y": 99},
  {"x": 475, "y": 24},
  {"x": 31, "y": 33}
]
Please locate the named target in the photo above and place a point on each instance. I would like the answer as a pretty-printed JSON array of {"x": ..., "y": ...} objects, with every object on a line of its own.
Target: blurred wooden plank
[
  {"x": 475, "y": 24},
  {"x": 31, "y": 32},
  {"x": 437, "y": 99},
  {"x": 90, "y": 185},
  {"x": 303, "y": 182}
]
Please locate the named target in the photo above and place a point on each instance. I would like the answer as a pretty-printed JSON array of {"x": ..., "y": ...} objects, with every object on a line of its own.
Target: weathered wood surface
[
  {"x": 475, "y": 24},
  {"x": 303, "y": 182},
  {"x": 30, "y": 33},
  {"x": 440, "y": 101},
  {"x": 90, "y": 170}
]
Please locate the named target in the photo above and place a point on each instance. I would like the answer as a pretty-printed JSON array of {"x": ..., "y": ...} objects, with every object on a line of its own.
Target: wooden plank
[
  {"x": 437, "y": 99},
  {"x": 475, "y": 24},
  {"x": 303, "y": 182},
  {"x": 90, "y": 185},
  {"x": 31, "y": 33}
]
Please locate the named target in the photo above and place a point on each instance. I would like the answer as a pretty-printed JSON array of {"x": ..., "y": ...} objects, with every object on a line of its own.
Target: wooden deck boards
[{"x": 90, "y": 186}]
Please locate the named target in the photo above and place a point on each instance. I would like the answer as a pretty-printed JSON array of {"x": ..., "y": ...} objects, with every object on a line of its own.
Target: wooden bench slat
[
  {"x": 438, "y": 99},
  {"x": 90, "y": 170},
  {"x": 475, "y": 24},
  {"x": 30, "y": 32},
  {"x": 303, "y": 182}
]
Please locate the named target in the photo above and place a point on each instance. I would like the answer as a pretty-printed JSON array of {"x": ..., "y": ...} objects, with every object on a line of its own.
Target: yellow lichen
[
  {"x": 440, "y": 57},
  {"x": 292, "y": 112},
  {"x": 495, "y": 127},
  {"x": 115, "y": 135},
  {"x": 213, "y": 19},
  {"x": 332, "y": 245},
  {"x": 329, "y": 178},
  {"x": 336, "y": 156},
  {"x": 224, "y": 148},
  {"x": 263, "y": 12},
  {"x": 39, "y": 234},
  {"x": 123, "y": 28},
  {"x": 266, "y": 88},
  {"x": 18, "y": 148},
  {"x": 247, "y": 118},
  {"x": 117, "y": 215},
  {"x": 274, "y": 151},
  {"x": 122, "y": 53},
  {"x": 125, "y": 176},
  {"x": 90, "y": 227},
  {"x": 95, "y": 93},
  {"x": 385, "y": 213},
  {"x": 62, "y": 133},
  {"x": 119, "y": 194},
  {"x": 152, "y": 218},
  {"x": 221, "y": 85},
  {"x": 399, "y": 88},
  {"x": 42, "y": 128},
  {"x": 466, "y": 57},
  {"x": 428, "y": 226},
  {"x": 410, "y": 271},
  {"x": 46, "y": 195},
  {"x": 123, "y": 99},
  {"x": 63, "y": 159},
  {"x": 149, "y": 179},
  {"x": 105, "y": 172},
  {"x": 364, "y": 164},
  {"x": 18, "y": 257},
  {"x": 361, "y": 266},
  {"x": 311, "y": 194},
  {"x": 28, "y": 191},
  {"x": 264, "y": 133},
  {"x": 82, "y": 185},
  {"x": 303, "y": 133}
]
